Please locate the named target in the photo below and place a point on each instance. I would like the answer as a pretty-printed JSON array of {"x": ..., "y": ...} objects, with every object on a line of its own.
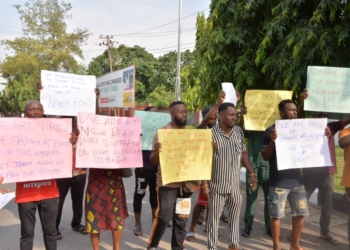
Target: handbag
[{"x": 125, "y": 172}]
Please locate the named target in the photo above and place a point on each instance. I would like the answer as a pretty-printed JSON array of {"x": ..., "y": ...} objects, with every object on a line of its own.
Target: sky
[{"x": 119, "y": 18}]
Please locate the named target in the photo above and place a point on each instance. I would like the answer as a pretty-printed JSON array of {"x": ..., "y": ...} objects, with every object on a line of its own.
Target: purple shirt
[{"x": 146, "y": 154}]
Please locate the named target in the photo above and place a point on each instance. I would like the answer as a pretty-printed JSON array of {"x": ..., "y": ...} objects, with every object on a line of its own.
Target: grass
[{"x": 339, "y": 154}]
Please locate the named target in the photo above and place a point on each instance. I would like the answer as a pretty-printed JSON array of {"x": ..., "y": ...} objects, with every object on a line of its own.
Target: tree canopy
[
  {"x": 260, "y": 44},
  {"x": 46, "y": 45}
]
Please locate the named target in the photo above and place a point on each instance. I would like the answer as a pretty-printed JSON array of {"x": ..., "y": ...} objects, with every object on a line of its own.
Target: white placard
[
  {"x": 302, "y": 143},
  {"x": 117, "y": 89},
  {"x": 67, "y": 94},
  {"x": 230, "y": 92},
  {"x": 6, "y": 198}
]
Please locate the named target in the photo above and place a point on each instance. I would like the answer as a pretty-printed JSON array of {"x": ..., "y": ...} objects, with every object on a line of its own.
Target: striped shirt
[{"x": 225, "y": 175}]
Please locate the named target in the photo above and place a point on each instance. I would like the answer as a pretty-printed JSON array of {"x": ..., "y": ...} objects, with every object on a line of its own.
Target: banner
[
  {"x": 67, "y": 94},
  {"x": 302, "y": 143},
  {"x": 117, "y": 89},
  {"x": 262, "y": 106},
  {"x": 151, "y": 121},
  {"x": 186, "y": 154},
  {"x": 108, "y": 142},
  {"x": 33, "y": 149},
  {"x": 328, "y": 89}
]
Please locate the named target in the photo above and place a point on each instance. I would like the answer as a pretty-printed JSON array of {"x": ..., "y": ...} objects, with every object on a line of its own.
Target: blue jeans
[{"x": 297, "y": 200}]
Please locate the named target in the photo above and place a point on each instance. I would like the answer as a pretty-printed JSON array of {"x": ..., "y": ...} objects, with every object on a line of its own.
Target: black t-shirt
[{"x": 284, "y": 178}]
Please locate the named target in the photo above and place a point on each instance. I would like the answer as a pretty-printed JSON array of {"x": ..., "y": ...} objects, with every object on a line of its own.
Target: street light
[{"x": 178, "y": 79}]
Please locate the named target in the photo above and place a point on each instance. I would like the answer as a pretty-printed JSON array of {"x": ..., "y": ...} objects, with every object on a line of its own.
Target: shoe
[
  {"x": 246, "y": 231},
  {"x": 58, "y": 235}
]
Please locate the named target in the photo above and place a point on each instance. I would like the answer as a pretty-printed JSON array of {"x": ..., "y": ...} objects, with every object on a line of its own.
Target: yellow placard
[
  {"x": 186, "y": 154},
  {"x": 262, "y": 106},
  {"x": 128, "y": 99}
]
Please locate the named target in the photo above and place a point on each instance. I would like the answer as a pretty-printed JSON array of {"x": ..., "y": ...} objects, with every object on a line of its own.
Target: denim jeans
[{"x": 297, "y": 200}]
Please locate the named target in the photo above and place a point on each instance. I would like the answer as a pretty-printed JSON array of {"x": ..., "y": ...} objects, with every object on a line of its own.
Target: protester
[
  {"x": 322, "y": 177},
  {"x": 208, "y": 122},
  {"x": 169, "y": 194},
  {"x": 144, "y": 177},
  {"x": 344, "y": 142},
  {"x": 37, "y": 194},
  {"x": 75, "y": 184},
  {"x": 261, "y": 169},
  {"x": 225, "y": 180},
  {"x": 284, "y": 184}
]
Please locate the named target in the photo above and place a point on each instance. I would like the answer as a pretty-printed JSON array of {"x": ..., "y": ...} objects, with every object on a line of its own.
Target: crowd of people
[{"x": 105, "y": 201}]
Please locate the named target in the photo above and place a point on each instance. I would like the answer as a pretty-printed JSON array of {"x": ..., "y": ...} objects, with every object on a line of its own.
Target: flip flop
[
  {"x": 138, "y": 231},
  {"x": 200, "y": 220},
  {"x": 330, "y": 239},
  {"x": 80, "y": 229},
  {"x": 190, "y": 237}
]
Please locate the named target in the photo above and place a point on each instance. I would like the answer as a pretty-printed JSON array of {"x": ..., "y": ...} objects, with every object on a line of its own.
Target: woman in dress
[{"x": 105, "y": 206}]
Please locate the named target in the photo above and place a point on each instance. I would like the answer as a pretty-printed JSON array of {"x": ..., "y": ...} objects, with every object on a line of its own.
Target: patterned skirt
[{"x": 105, "y": 202}]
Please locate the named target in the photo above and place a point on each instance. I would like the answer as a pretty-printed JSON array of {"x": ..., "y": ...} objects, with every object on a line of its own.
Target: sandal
[
  {"x": 200, "y": 220},
  {"x": 80, "y": 229},
  {"x": 224, "y": 218},
  {"x": 190, "y": 237},
  {"x": 138, "y": 231},
  {"x": 330, "y": 239}
]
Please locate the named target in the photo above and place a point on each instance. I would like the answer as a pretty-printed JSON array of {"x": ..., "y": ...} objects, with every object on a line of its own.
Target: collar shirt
[{"x": 225, "y": 176}]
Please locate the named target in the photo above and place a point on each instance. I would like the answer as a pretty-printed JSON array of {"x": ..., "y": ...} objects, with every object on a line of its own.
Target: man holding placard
[
  {"x": 224, "y": 187},
  {"x": 285, "y": 184},
  {"x": 172, "y": 196},
  {"x": 322, "y": 177}
]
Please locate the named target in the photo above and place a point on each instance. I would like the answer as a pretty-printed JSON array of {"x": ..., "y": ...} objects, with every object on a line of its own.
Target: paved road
[{"x": 10, "y": 230}]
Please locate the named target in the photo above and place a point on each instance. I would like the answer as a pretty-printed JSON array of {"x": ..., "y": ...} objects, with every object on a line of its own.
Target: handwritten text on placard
[
  {"x": 301, "y": 143},
  {"x": 151, "y": 121},
  {"x": 262, "y": 108},
  {"x": 328, "y": 89},
  {"x": 67, "y": 94},
  {"x": 186, "y": 154},
  {"x": 108, "y": 142},
  {"x": 35, "y": 149}
]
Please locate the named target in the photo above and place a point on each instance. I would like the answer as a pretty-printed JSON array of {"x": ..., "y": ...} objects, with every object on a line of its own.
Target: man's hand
[
  {"x": 244, "y": 110},
  {"x": 273, "y": 135},
  {"x": 328, "y": 132},
  {"x": 97, "y": 92},
  {"x": 3, "y": 191},
  {"x": 1, "y": 179},
  {"x": 215, "y": 146},
  {"x": 238, "y": 95},
  {"x": 73, "y": 138},
  {"x": 222, "y": 96},
  {"x": 253, "y": 182},
  {"x": 39, "y": 86},
  {"x": 157, "y": 148},
  {"x": 304, "y": 95}
]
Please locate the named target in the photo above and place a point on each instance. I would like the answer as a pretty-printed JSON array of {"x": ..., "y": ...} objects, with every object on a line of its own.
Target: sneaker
[{"x": 246, "y": 231}]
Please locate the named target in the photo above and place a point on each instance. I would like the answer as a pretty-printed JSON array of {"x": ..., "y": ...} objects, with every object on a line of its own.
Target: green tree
[
  {"x": 269, "y": 44},
  {"x": 46, "y": 45}
]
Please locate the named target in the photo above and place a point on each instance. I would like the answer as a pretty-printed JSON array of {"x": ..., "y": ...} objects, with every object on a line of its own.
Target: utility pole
[
  {"x": 178, "y": 79},
  {"x": 109, "y": 44}
]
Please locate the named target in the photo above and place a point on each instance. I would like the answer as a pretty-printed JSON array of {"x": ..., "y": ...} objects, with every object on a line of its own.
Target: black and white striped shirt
[{"x": 225, "y": 175}]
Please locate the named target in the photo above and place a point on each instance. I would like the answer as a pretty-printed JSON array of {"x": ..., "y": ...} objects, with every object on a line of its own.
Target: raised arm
[
  {"x": 303, "y": 96},
  {"x": 212, "y": 111}
]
